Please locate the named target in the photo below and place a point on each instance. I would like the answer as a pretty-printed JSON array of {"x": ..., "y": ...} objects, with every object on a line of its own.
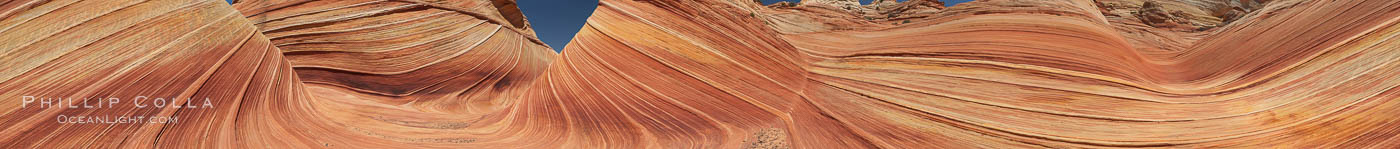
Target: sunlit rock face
[
  {"x": 464, "y": 56},
  {"x": 1006, "y": 74},
  {"x": 707, "y": 74},
  {"x": 172, "y": 52}
]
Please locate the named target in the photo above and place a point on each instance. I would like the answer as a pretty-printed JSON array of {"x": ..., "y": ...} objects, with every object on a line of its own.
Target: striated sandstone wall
[{"x": 708, "y": 74}]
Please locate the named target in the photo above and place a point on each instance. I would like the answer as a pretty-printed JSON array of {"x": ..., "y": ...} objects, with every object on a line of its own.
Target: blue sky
[{"x": 556, "y": 21}]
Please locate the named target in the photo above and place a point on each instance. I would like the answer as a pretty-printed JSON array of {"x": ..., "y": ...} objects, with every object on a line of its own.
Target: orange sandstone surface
[{"x": 702, "y": 74}]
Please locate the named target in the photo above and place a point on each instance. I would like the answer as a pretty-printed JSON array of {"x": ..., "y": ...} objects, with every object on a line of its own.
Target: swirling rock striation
[
  {"x": 174, "y": 51},
  {"x": 447, "y": 56},
  {"x": 708, "y": 74}
]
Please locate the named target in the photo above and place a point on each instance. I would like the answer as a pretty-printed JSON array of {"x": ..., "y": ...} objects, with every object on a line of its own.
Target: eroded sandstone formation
[
  {"x": 708, "y": 74},
  {"x": 448, "y": 58}
]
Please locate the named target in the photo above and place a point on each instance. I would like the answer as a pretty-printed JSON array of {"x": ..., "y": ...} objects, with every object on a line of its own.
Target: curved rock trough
[{"x": 701, "y": 74}]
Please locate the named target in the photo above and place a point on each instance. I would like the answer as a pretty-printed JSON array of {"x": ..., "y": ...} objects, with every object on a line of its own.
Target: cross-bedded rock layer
[{"x": 691, "y": 74}]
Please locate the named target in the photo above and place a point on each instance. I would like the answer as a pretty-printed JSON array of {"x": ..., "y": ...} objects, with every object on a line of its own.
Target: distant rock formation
[
  {"x": 1190, "y": 15},
  {"x": 783, "y": 4}
]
